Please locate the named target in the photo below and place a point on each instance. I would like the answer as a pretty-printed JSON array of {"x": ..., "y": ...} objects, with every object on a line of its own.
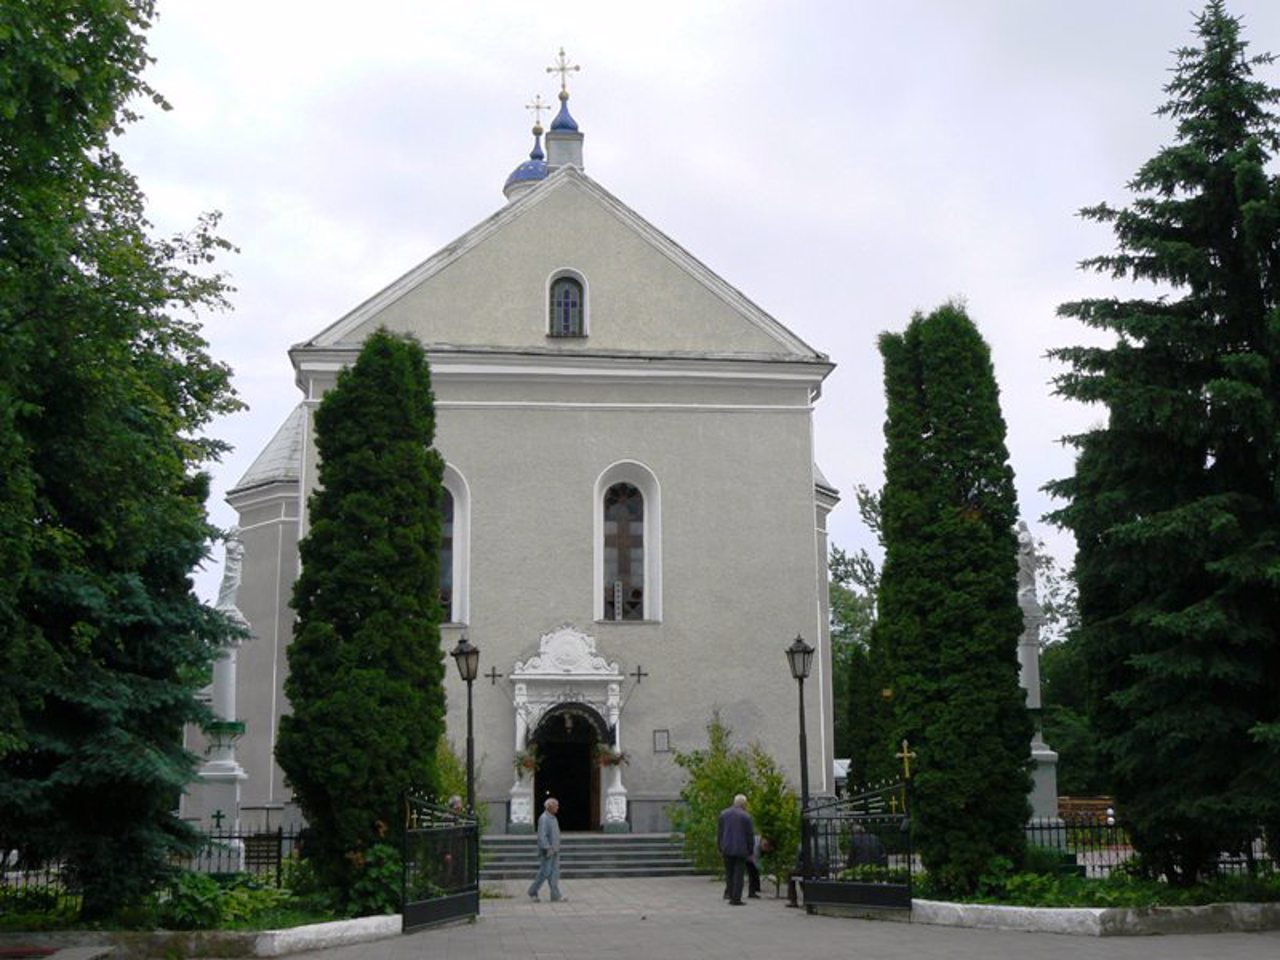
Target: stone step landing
[{"x": 510, "y": 856}]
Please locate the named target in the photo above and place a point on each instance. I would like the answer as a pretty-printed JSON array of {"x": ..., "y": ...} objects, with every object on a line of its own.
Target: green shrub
[
  {"x": 871, "y": 873},
  {"x": 245, "y": 898},
  {"x": 1120, "y": 889},
  {"x": 193, "y": 901},
  {"x": 714, "y": 776},
  {"x": 376, "y": 887}
]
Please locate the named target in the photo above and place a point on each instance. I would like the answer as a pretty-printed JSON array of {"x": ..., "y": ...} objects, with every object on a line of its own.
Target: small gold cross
[
  {"x": 906, "y": 755},
  {"x": 536, "y": 109},
  {"x": 564, "y": 68}
]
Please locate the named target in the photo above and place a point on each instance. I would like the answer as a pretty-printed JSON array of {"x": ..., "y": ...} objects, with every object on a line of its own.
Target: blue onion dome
[
  {"x": 535, "y": 168},
  {"x": 563, "y": 121}
]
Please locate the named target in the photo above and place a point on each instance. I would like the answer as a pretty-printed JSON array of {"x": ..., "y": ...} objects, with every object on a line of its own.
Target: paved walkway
[{"x": 684, "y": 918}]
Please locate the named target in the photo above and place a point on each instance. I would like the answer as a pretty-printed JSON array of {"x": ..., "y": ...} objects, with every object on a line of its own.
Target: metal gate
[
  {"x": 441, "y": 865},
  {"x": 860, "y": 849}
]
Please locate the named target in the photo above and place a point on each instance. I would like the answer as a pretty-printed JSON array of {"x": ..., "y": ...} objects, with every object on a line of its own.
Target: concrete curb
[
  {"x": 215, "y": 943},
  {"x": 318, "y": 936},
  {"x": 1100, "y": 921}
]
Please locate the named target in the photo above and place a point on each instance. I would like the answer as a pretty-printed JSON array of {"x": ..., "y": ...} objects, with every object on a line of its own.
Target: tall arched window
[
  {"x": 626, "y": 578},
  {"x": 567, "y": 308},
  {"x": 455, "y": 543},
  {"x": 446, "y": 553},
  {"x": 623, "y": 553}
]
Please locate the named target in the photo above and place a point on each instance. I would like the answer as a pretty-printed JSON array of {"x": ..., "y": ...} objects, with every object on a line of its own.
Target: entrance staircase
[{"x": 512, "y": 857}]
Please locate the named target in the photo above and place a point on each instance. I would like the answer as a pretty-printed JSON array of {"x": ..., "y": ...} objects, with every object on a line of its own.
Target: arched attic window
[{"x": 567, "y": 306}]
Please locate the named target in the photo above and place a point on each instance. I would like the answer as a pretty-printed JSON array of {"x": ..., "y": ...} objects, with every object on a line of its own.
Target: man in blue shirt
[{"x": 548, "y": 851}]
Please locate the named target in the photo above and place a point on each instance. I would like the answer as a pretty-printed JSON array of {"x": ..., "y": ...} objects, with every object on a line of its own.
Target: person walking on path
[
  {"x": 548, "y": 851},
  {"x": 735, "y": 836}
]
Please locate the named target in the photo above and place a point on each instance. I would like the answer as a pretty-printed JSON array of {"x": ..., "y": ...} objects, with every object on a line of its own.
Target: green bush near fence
[
  {"x": 1121, "y": 889},
  {"x": 192, "y": 901}
]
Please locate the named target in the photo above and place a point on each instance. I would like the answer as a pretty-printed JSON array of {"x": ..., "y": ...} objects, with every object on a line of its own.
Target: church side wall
[
  {"x": 269, "y": 531},
  {"x": 738, "y": 560}
]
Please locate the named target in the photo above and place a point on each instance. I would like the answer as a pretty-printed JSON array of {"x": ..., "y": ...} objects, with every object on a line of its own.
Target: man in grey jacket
[{"x": 548, "y": 851}]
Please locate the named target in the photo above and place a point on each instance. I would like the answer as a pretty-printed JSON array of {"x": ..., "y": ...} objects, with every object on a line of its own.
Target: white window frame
[
  {"x": 456, "y": 484},
  {"x": 586, "y": 301},
  {"x": 644, "y": 480}
]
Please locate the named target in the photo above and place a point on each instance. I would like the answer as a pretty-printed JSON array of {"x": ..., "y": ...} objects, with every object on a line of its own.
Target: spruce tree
[
  {"x": 105, "y": 385},
  {"x": 1174, "y": 500},
  {"x": 366, "y": 670},
  {"x": 945, "y": 640}
]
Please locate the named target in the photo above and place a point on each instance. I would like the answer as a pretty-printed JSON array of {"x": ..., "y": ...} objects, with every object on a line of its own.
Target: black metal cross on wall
[
  {"x": 494, "y": 676},
  {"x": 638, "y": 674}
]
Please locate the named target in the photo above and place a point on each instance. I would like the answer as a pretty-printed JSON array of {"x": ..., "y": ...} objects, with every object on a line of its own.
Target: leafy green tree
[
  {"x": 1065, "y": 720},
  {"x": 366, "y": 671},
  {"x": 854, "y": 580},
  {"x": 714, "y": 775},
  {"x": 1174, "y": 501},
  {"x": 105, "y": 385},
  {"x": 949, "y": 622}
]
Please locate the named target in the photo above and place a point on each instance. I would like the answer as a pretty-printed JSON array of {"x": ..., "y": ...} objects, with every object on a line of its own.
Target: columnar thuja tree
[
  {"x": 105, "y": 385},
  {"x": 365, "y": 666},
  {"x": 945, "y": 640},
  {"x": 1175, "y": 501}
]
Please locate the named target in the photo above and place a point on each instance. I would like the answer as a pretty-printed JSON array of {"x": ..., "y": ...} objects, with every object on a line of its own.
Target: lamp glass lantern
[
  {"x": 800, "y": 658},
  {"x": 467, "y": 657}
]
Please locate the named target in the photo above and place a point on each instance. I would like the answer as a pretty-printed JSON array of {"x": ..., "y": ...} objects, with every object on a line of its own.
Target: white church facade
[{"x": 637, "y": 528}]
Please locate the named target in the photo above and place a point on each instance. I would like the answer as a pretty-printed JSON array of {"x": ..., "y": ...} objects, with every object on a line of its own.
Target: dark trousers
[
  {"x": 753, "y": 878},
  {"x": 734, "y": 870}
]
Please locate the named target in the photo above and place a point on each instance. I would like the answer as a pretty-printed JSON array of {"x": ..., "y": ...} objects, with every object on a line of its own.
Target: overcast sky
[{"x": 844, "y": 164}]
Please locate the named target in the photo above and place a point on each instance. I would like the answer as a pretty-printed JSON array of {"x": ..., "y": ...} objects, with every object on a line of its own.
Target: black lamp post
[
  {"x": 467, "y": 658},
  {"x": 800, "y": 659}
]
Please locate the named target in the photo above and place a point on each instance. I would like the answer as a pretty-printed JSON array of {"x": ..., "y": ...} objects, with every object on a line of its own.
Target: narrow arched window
[
  {"x": 623, "y": 553},
  {"x": 567, "y": 308},
  {"x": 446, "y": 553}
]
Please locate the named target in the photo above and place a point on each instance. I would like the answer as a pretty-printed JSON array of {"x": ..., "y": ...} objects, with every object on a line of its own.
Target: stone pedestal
[
  {"x": 520, "y": 806},
  {"x": 1044, "y": 780},
  {"x": 615, "y": 801}
]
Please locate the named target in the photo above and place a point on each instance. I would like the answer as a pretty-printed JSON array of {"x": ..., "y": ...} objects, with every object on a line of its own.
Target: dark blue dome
[
  {"x": 529, "y": 170},
  {"x": 563, "y": 121}
]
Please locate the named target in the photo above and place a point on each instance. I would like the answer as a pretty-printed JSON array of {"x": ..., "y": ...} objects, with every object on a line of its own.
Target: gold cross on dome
[
  {"x": 564, "y": 68},
  {"x": 536, "y": 109}
]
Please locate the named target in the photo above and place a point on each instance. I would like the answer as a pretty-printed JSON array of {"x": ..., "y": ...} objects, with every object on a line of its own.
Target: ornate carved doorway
[{"x": 567, "y": 705}]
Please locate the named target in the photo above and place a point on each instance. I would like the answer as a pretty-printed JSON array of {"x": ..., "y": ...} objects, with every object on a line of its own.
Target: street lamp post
[
  {"x": 467, "y": 658},
  {"x": 800, "y": 659}
]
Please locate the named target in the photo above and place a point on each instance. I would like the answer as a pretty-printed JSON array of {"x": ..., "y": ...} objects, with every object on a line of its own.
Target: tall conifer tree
[
  {"x": 366, "y": 670},
  {"x": 1175, "y": 502},
  {"x": 105, "y": 385},
  {"x": 946, "y": 636}
]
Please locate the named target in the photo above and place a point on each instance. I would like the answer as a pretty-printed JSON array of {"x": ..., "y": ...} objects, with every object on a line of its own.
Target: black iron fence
[
  {"x": 40, "y": 885},
  {"x": 441, "y": 864},
  {"x": 859, "y": 849},
  {"x": 1094, "y": 844},
  {"x": 262, "y": 854}
]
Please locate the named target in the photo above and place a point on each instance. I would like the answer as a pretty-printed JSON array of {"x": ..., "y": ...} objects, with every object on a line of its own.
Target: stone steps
[{"x": 584, "y": 855}]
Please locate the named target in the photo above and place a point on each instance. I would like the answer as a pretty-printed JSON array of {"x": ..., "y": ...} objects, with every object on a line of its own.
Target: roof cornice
[{"x": 453, "y": 363}]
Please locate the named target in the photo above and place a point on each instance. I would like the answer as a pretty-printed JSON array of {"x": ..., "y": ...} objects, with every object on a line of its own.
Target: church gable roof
[{"x": 644, "y": 292}]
